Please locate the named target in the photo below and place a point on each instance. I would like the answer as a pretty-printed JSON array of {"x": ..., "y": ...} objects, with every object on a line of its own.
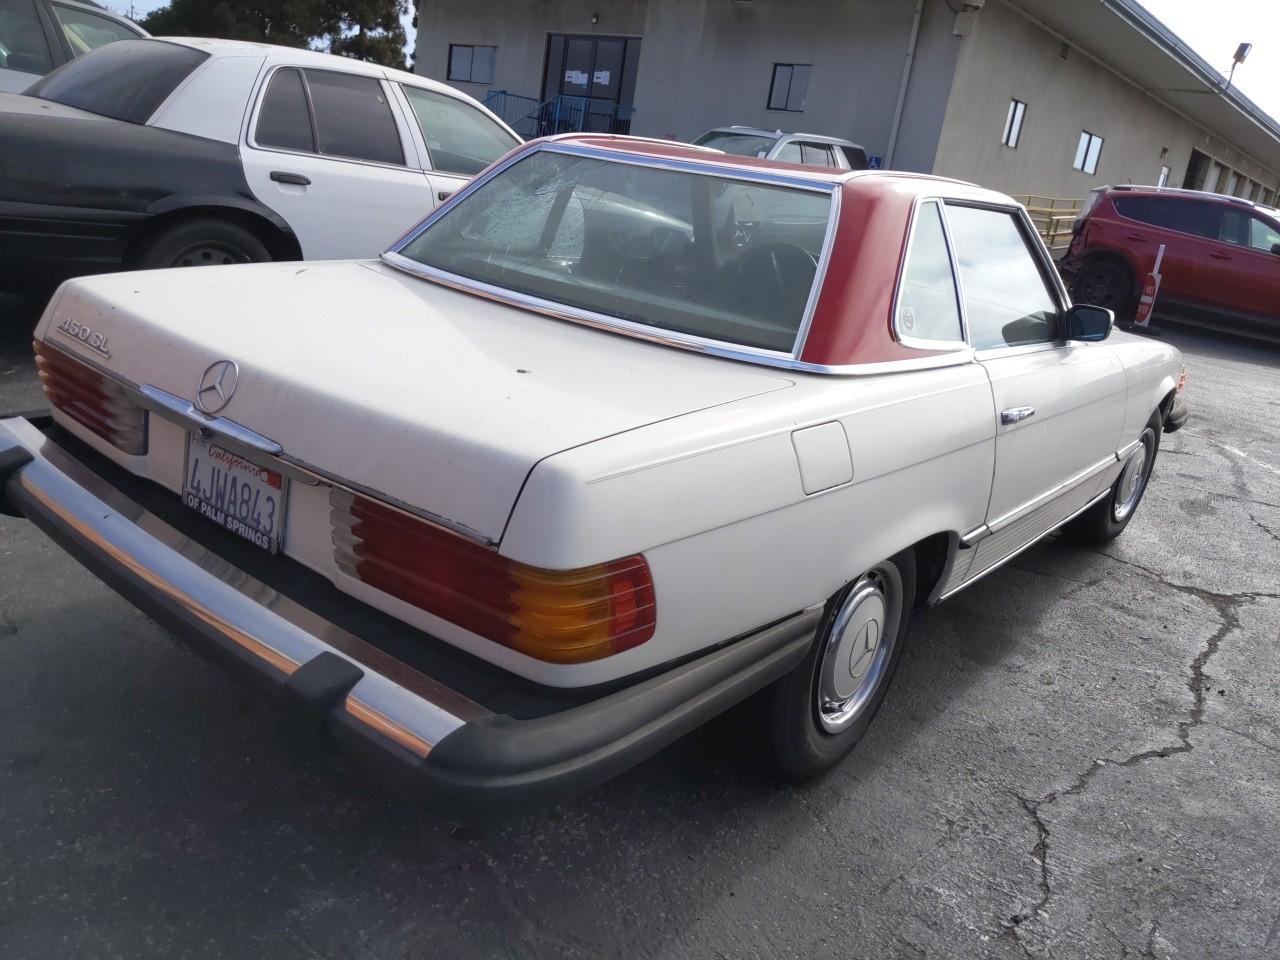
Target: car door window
[
  {"x": 1007, "y": 301},
  {"x": 353, "y": 118},
  {"x": 1234, "y": 228},
  {"x": 285, "y": 120},
  {"x": 1185, "y": 216},
  {"x": 459, "y": 138},
  {"x": 87, "y": 31},
  {"x": 790, "y": 153},
  {"x": 1263, "y": 236},
  {"x": 927, "y": 307},
  {"x": 23, "y": 45},
  {"x": 817, "y": 154}
]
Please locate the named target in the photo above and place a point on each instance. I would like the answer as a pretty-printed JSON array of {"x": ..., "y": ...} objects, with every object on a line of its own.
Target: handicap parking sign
[{"x": 875, "y": 163}]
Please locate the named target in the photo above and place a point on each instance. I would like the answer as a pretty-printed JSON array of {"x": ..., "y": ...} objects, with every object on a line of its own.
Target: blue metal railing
[{"x": 531, "y": 117}]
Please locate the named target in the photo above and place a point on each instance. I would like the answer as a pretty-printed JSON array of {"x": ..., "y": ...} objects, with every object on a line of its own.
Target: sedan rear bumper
[{"x": 469, "y": 761}]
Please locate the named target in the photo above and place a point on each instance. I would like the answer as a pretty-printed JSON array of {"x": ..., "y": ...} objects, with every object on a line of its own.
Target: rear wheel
[
  {"x": 1103, "y": 283},
  {"x": 820, "y": 710},
  {"x": 205, "y": 242},
  {"x": 1107, "y": 518}
]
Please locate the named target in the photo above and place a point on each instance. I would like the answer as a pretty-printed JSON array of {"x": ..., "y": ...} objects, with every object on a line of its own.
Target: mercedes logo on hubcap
[{"x": 217, "y": 386}]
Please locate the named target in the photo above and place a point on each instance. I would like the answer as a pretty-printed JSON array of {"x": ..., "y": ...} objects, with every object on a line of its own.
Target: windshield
[
  {"x": 125, "y": 80},
  {"x": 742, "y": 144},
  {"x": 688, "y": 252}
]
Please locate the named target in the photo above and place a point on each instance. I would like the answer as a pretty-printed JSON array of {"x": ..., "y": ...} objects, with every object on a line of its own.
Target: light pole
[{"x": 1242, "y": 54}]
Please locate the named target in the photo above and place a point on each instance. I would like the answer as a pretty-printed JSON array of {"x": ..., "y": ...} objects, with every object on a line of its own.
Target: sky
[{"x": 1213, "y": 30}]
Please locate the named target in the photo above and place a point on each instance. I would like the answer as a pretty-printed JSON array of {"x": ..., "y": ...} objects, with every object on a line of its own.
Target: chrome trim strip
[
  {"x": 1017, "y": 513},
  {"x": 975, "y": 536},
  {"x": 397, "y": 259},
  {"x": 713, "y": 166},
  {"x": 391, "y": 697},
  {"x": 182, "y": 412},
  {"x": 819, "y": 276},
  {"x": 921, "y": 343},
  {"x": 1031, "y": 543},
  {"x": 1123, "y": 453},
  {"x": 714, "y": 348}
]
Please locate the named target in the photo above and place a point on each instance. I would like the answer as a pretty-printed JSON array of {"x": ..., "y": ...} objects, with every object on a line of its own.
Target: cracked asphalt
[{"x": 1080, "y": 758}]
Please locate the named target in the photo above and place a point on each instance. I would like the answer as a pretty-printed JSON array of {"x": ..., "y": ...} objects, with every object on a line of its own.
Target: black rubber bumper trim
[
  {"x": 11, "y": 460},
  {"x": 1179, "y": 413},
  {"x": 494, "y": 766}
]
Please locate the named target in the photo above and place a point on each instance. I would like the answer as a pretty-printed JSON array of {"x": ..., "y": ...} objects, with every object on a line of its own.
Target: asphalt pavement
[{"x": 1080, "y": 757}]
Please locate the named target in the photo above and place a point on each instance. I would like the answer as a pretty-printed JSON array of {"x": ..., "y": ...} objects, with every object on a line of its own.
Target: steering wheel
[{"x": 769, "y": 274}]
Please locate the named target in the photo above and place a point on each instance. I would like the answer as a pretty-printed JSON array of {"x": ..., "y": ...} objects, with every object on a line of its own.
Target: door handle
[
  {"x": 1016, "y": 414},
  {"x": 1220, "y": 256},
  {"x": 1136, "y": 236},
  {"x": 297, "y": 179},
  {"x": 444, "y": 195}
]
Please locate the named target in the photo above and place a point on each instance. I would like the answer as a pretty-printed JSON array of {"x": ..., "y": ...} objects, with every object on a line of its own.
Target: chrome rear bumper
[{"x": 471, "y": 761}]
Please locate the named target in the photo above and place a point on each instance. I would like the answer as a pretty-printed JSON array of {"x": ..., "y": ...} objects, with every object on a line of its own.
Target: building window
[
  {"x": 1087, "y": 152},
  {"x": 1013, "y": 124},
  {"x": 790, "y": 86},
  {"x": 1164, "y": 177},
  {"x": 471, "y": 64}
]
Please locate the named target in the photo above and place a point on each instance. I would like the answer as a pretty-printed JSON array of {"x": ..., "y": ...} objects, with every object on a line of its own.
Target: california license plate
[{"x": 235, "y": 493}]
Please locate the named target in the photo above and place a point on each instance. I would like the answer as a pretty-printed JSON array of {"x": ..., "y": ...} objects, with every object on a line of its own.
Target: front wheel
[
  {"x": 1107, "y": 518},
  {"x": 820, "y": 710}
]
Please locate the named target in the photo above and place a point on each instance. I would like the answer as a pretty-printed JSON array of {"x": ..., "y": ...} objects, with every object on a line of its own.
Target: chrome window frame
[
  {"x": 723, "y": 348},
  {"x": 924, "y": 343},
  {"x": 1044, "y": 264}
]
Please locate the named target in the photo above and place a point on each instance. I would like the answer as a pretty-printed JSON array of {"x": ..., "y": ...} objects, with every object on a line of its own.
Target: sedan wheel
[
  {"x": 1107, "y": 519},
  {"x": 200, "y": 242},
  {"x": 1133, "y": 478},
  {"x": 819, "y": 711}
]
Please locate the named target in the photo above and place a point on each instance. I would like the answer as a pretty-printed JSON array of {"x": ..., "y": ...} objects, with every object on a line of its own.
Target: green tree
[{"x": 363, "y": 29}]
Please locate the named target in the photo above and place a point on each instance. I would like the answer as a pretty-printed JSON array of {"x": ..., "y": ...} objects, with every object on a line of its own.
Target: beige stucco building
[{"x": 1048, "y": 97}]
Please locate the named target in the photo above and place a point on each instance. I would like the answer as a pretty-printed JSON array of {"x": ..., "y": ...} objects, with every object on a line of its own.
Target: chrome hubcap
[
  {"x": 858, "y": 647},
  {"x": 1133, "y": 478}
]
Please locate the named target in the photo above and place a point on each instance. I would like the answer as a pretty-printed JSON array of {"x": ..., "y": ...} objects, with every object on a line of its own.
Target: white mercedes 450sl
[{"x": 622, "y": 434}]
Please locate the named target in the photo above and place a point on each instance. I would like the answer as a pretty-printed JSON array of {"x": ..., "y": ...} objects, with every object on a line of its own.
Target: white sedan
[{"x": 621, "y": 435}]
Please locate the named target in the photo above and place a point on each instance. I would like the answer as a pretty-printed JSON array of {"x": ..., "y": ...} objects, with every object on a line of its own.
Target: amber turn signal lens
[
  {"x": 560, "y": 616},
  {"x": 92, "y": 399}
]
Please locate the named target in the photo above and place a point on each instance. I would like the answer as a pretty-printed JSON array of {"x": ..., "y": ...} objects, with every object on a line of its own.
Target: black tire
[
  {"x": 201, "y": 243},
  {"x": 1104, "y": 283},
  {"x": 802, "y": 745},
  {"x": 1107, "y": 518}
]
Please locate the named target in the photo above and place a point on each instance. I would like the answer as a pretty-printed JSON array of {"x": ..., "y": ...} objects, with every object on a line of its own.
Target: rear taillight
[
  {"x": 92, "y": 399},
  {"x": 561, "y": 616}
]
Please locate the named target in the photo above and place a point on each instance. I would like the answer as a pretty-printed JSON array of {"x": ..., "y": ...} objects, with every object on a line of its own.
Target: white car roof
[{"x": 310, "y": 58}]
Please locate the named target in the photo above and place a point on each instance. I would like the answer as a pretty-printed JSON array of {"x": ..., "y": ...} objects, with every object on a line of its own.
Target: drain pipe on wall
[{"x": 906, "y": 80}]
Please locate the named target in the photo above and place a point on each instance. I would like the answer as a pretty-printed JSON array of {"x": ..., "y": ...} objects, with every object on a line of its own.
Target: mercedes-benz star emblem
[{"x": 217, "y": 386}]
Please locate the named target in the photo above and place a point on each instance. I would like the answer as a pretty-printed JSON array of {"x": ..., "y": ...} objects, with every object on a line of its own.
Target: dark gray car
[{"x": 36, "y": 36}]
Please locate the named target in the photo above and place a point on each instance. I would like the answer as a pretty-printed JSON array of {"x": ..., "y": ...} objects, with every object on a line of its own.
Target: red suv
[{"x": 1221, "y": 259}]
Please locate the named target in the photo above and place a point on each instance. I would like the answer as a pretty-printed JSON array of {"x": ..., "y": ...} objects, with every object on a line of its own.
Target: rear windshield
[
  {"x": 693, "y": 253},
  {"x": 125, "y": 80},
  {"x": 743, "y": 144}
]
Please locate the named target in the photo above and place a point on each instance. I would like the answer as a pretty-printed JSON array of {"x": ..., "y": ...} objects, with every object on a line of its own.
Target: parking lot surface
[{"x": 1080, "y": 757}]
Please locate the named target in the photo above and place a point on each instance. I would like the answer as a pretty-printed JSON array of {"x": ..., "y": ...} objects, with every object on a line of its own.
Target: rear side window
[
  {"x": 87, "y": 31},
  {"x": 857, "y": 157},
  {"x": 1185, "y": 216},
  {"x": 927, "y": 305},
  {"x": 790, "y": 153},
  {"x": 126, "y": 80},
  {"x": 1006, "y": 299},
  {"x": 284, "y": 120},
  {"x": 459, "y": 137},
  {"x": 22, "y": 43},
  {"x": 353, "y": 118}
]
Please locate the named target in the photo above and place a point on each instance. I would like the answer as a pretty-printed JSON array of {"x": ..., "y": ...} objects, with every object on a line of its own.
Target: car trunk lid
[{"x": 434, "y": 398}]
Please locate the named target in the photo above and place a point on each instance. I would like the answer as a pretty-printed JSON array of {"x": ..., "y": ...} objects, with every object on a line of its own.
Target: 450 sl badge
[{"x": 78, "y": 331}]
